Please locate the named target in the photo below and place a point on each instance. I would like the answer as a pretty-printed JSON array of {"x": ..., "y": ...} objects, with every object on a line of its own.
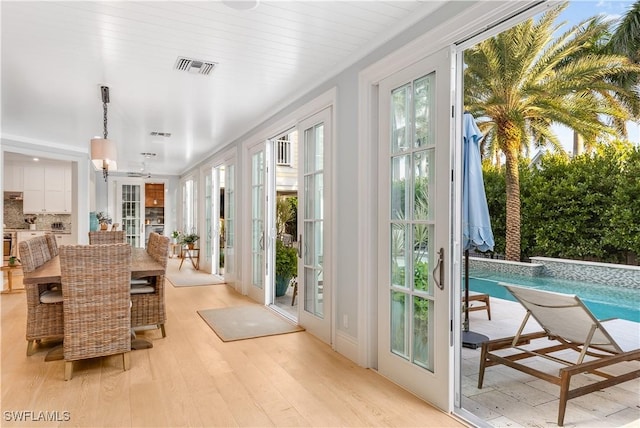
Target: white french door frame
[
  {"x": 221, "y": 164},
  {"x": 319, "y": 322},
  {"x": 415, "y": 352},
  {"x": 473, "y": 20},
  {"x": 324, "y": 100},
  {"x": 118, "y": 182},
  {"x": 209, "y": 223},
  {"x": 260, "y": 221}
]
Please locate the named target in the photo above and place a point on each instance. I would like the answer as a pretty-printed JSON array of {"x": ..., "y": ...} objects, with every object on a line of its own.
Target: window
[{"x": 283, "y": 151}]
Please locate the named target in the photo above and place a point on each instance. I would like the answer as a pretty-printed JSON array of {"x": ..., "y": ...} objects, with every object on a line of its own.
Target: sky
[{"x": 578, "y": 11}]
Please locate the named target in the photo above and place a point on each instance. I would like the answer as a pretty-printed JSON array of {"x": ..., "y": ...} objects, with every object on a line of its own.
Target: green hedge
[{"x": 586, "y": 208}]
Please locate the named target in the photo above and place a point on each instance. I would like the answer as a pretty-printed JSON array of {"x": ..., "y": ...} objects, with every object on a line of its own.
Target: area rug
[
  {"x": 188, "y": 276},
  {"x": 246, "y": 322}
]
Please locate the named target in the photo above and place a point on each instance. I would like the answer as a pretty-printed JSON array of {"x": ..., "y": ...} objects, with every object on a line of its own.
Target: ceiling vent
[{"x": 195, "y": 66}]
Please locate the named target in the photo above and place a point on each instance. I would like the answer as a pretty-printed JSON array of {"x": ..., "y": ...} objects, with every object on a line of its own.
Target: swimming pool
[{"x": 603, "y": 300}]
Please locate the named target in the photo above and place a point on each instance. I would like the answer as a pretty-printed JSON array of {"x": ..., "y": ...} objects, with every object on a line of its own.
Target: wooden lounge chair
[{"x": 568, "y": 326}]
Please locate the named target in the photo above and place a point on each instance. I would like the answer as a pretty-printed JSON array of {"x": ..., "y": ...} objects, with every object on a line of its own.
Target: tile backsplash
[{"x": 14, "y": 217}]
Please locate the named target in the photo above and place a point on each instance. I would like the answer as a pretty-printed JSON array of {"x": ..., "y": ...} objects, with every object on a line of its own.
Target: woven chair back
[
  {"x": 96, "y": 277},
  {"x": 34, "y": 253},
  {"x": 100, "y": 237}
]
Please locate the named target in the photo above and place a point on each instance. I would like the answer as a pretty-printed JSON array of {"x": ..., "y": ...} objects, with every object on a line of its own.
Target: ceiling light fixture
[
  {"x": 241, "y": 4},
  {"x": 103, "y": 150}
]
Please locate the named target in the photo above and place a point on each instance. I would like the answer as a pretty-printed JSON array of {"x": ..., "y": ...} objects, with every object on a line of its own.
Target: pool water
[{"x": 604, "y": 301}]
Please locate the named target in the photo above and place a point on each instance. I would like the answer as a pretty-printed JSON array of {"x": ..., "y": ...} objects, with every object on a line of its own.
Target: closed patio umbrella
[{"x": 476, "y": 224}]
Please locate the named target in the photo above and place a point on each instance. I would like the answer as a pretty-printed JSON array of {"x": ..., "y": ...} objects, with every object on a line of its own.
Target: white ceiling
[{"x": 55, "y": 55}]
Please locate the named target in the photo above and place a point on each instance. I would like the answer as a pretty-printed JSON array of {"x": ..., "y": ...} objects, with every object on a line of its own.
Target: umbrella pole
[
  {"x": 465, "y": 325},
  {"x": 470, "y": 339}
]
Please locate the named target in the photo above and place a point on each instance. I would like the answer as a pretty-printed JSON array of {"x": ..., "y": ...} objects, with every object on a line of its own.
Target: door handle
[
  {"x": 299, "y": 246},
  {"x": 262, "y": 242},
  {"x": 439, "y": 280}
]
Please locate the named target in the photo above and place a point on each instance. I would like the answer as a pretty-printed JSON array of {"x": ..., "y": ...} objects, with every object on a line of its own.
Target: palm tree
[
  {"x": 626, "y": 41},
  {"x": 626, "y": 38},
  {"x": 522, "y": 81}
]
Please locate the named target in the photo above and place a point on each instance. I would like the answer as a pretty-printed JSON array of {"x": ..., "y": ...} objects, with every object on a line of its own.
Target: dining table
[{"x": 142, "y": 265}]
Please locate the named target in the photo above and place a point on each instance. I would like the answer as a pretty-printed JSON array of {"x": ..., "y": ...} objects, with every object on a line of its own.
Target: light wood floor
[{"x": 192, "y": 378}]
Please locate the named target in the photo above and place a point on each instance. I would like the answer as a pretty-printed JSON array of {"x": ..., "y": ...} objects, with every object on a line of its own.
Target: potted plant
[
  {"x": 175, "y": 235},
  {"x": 31, "y": 221},
  {"x": 13, "y": 261},
  {"x": 103, "y": 219},
  {"x": 189, "y": 240},
  {"x": 286, "y": 267}
]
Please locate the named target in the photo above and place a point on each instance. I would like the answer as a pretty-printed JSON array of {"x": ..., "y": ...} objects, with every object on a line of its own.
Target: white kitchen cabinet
[
  {"x": 64, "y": 239},
  {"x": 33, "y": 193},
  {"x": 13, "y": 177},
  {"x": 47, "y": 189}
]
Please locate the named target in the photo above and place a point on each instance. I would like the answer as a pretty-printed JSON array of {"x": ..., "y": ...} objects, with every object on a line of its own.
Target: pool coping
[{"x": 577, "y": 270}]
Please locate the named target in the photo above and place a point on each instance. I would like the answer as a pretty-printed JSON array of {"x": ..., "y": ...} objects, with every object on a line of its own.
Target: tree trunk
[
  {"x": 578, "y": 144},
  {"x": 512, "y": 182}
]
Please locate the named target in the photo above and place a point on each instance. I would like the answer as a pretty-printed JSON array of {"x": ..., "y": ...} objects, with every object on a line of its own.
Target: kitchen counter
[{"x": 64, "y": 232}]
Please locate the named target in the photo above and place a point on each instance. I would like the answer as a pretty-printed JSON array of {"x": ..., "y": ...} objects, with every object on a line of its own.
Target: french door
[
  {"x": 130, "y": 211},
  {"x": 210, "y": 259},
  {"x": 262, "y": 225},
  {"x": 414, "y": 316},
  {"x": 229, "y": 221},
  {"x": 314, "y": 287}
]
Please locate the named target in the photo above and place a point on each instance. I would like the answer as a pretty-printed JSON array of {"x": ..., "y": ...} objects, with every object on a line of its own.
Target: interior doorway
[{"x": 284, "y": 292}]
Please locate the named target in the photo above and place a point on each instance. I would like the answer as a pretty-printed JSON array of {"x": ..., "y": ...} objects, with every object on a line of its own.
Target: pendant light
[{"x": 103, "y": 150}]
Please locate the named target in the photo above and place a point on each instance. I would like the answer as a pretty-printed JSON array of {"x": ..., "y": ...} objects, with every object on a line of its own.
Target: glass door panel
[
  {"x": 415, "y": 180},
  {"x": 205, "y": 258},
  {"x": 229, "y": 221},
  {"x": 314, "y": 289},
  {"x": 258, "y": 223},
  {"x": 131, "y": 197}
]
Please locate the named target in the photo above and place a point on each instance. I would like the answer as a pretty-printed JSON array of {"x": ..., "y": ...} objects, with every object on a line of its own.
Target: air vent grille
[
  {"x": 195, "y": 66},
  {"x": 160, "y": 134}
]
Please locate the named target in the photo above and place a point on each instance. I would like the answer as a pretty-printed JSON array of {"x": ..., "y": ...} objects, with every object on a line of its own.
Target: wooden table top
[{"x": 142, "y": 265}]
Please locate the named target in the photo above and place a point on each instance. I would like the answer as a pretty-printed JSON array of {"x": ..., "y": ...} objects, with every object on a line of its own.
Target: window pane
[
  {"x": 423, "y": 105},
  {"x": 421, "y": 332},
  {"x": 399, "y": 255},
  {"x": 319, "y": 146},
  {"x": 422, "y": 177},
  {"x": 399, "y": 342},
  {"x": 399, "y": 185},
  {"x": 421, "y": 257},
  {"x": 400, "y": 119}
]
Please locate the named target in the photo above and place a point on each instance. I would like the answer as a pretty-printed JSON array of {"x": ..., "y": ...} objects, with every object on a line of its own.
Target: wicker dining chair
[
  {"x": 97, "y": 314},
  {"x": 52, "y": 243},
  {"x": 44, "y": 301},
  {"x": 98, "y": 237},
  {"x": 147, "y": 295}
]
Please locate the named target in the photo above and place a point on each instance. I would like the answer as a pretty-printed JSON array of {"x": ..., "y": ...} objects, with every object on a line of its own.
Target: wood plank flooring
[{"x": 192, "y": 378}]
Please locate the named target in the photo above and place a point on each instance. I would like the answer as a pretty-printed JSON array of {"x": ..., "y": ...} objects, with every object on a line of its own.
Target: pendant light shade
[
  {"x": 104, "y": 154},
  {"x": 103, "y": 150}
]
